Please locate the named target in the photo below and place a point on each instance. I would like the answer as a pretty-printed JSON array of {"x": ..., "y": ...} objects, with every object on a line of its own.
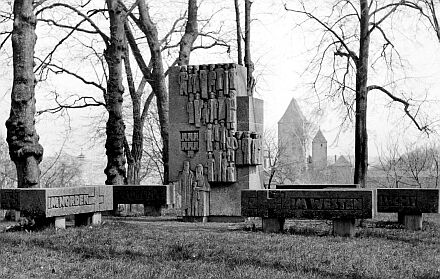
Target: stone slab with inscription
[
  {"x": 407, "y": 200},
  {"x": 317, "y": 186},
  {"x": 153, "y": 195},
  {"x": 307, "y": 204},
  {"x": 9, "y": 199},
  {"x": 51, "y": 202}
]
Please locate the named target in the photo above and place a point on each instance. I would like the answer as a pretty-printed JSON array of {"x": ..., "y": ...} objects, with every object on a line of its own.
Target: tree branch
[
  {"x": 105, "y": 38},
  {"x": 329, "y": 29},
  {"x": 405, "y": 104}
]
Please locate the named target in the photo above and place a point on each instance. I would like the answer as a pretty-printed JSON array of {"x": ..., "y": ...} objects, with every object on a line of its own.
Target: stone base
[
  {"x": 17, "y": 215},
  {"x": 154, "y": 211},
  {"x": 273, "y": 225},
  {"x": 344, "y": 227},
  {"x": 213, "y": 219},
  {"x": 192, "y": 219},
  {"x": 413, "y": 222},
  {"x": 60, "y": 222},
  {"x": 400, "y": 218},
  {"x": 226, "y": 219},
  {"x": 96, "y": 218}
]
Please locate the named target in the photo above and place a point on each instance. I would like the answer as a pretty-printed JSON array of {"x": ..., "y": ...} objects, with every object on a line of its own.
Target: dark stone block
[
  {"x": 307, "y": 204},
  {"x": 407, "y": 201},
  {"x": 150, "y": 195},
  {"x": 250, "y": 114},
  {"x": 10, "y": 199},
  {"x": 316, "y": 186}
]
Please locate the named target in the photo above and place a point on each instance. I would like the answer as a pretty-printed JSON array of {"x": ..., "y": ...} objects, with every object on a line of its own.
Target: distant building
[
  {"x": 292, "y": 137},
  {"x": 92, "y": 169},
  {"x": 319, "y": 151},
  {"x": 341, "y": 171}
]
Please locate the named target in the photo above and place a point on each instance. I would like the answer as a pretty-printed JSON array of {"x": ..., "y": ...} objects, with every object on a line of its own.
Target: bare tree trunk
[
  {"x": 237, "y": 21},
  {"x": 247, "y": 48},
  {"x": 361, "y": 137},
  {"x": 190, "y": 35},
  {"x": 134, "y": 156},
  {"x": 157, "y": 81},
  {"x": 115, "y": 129},
  {"x": 22, "y": 137}
]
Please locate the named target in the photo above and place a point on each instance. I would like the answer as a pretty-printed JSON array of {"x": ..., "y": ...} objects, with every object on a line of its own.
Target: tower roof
[
  {"x": 293, "y": 113},
  {"x": 342, "y": 162},
  {"x": 319, "y": 137}
]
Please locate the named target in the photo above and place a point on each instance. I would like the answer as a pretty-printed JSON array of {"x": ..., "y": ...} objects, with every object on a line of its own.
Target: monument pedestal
[
  {"x": 344, "y": 227},
  {"x": 273, "y": 225},
  {"x": 60, "y": 222},
  {"x": 400, "y": 218},
  {"x": 413, "y": 222}
]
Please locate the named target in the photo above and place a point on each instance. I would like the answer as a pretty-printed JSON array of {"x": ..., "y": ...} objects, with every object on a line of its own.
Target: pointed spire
[
  {"x": 293, "y": 113},
  {"x": 319, "y": 138}
]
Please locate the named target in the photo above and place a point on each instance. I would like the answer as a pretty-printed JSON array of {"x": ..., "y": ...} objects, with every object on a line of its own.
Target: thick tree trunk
[
  {"x": 247, "y": 48},
  {"x": 24, "y": 149},
  {"x": 191, "y": 33},
  {"x": 115, "y": 129},
  {"x": 237, "y": 21},
  {"x": 361, "y": 137}
]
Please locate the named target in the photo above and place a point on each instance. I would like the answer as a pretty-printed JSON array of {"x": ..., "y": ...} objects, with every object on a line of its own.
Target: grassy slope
[{"x": 179, "y": 250}]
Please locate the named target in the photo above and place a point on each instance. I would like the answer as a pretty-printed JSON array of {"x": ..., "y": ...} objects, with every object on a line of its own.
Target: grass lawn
[{"x": 170, "y": 249}]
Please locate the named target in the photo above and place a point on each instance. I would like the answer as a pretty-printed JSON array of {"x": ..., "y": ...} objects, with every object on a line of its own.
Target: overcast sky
[{"x": 281, "y": 52}]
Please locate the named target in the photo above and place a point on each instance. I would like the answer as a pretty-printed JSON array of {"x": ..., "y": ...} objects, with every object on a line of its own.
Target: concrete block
[
  {"x": 60, "y": 222},
  {"x": 413, "y": 222},
  {"x": 96, "y": 218},
  {"x": 52, "y": 202},
  {"x": 273, "y": 225},
  {"x": 9, "y": 199},
  {"x": 150, "y": 195},
  {"x": 307, "y": 204},
  {"x": 407, "y": 200},
  {"x": 344, "y": 227}
]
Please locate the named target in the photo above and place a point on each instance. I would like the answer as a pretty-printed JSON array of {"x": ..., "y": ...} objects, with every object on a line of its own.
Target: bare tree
[
  {"x": 349, "y": 25},
  {"x": 137, "y": 27},
  {"x": 239, "y": 35},
  {"x": 24, "y": 148},
  {"x": 417, "y": 166},
  {"x": 61, "y": 170},
  {"x": 115, "y": 130},
  {"x": 247, "y": 48}
]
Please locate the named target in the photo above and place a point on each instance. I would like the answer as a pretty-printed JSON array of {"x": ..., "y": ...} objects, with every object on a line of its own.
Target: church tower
[
  {"x": 319, "y": 151},
  {"x": 292, "y": 137}
]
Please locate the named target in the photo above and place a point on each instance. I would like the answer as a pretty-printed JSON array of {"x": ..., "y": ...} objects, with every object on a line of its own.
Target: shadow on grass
[{"x": 308, "y": 231}]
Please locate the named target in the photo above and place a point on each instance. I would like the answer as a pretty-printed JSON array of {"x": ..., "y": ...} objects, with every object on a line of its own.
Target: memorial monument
[{"x": 215, "y": 147}]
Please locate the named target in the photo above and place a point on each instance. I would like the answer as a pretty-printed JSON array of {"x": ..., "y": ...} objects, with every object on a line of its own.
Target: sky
[{"x": 282, "y": 46}]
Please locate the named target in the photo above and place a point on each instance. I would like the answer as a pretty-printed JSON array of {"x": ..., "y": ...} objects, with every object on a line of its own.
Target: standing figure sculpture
[
  {"x": 183, "y": 81},
  {"x": 190, "y": 109},
  {"x": 201, "y": 190},
  {"x": 211, "y": 79},
  {"x": 203, "y": 81},
  {"x": 186, "y": 180},
  {"x": 198, "y": 105}
]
